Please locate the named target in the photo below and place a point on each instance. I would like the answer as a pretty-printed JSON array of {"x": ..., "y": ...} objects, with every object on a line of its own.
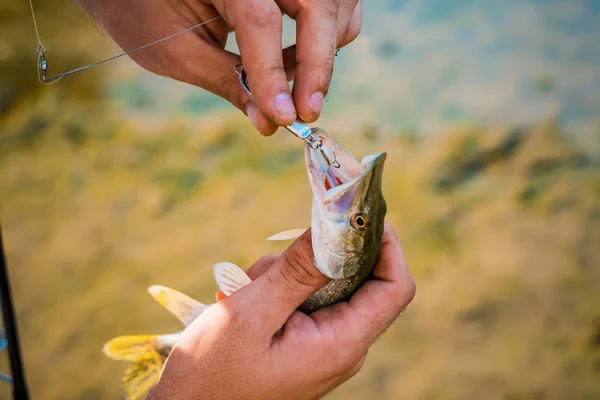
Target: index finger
[
  {"x": 316, "y": 45},
  {"x": 259, "y": 37}
]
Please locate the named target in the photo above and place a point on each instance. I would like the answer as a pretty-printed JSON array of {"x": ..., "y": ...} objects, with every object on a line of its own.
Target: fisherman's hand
[
  {"x": 254, "y": 345},
  {"x": 198, "y": 57}
]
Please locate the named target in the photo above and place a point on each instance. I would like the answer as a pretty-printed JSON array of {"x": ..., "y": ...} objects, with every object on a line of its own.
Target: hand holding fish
[
  {"x": 198, "y": 57},
  {"x": 304, "y": 324},
  {"x": 254, "y": 344}
]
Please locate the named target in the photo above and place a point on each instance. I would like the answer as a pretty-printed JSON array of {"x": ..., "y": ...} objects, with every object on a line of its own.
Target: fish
[
  {"x": 347, "y": 220},
  {"x": 347, "y": 225}
]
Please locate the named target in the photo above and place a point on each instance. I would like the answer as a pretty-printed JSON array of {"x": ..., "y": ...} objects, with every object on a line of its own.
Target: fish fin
[
  {"x": 134, "y": 348},
  {"x": 230, "y": 277},
  {"x": 288, "y": 235},
  {"x": 141, "y": 377},
  {"x": 180, "y": 305}
]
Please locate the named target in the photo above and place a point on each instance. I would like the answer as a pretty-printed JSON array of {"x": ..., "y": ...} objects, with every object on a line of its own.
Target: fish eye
[{"x": 359, "y": 221}]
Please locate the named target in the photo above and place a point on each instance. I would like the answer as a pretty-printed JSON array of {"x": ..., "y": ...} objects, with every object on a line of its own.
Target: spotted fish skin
[{"x": 347, "y": 221}]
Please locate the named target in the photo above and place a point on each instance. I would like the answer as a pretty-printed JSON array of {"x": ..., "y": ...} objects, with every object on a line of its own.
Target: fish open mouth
[
  {"x": 325, "y": 178},
  {"x": 337, "y": 184},
  {"x": 341, "y": 193}
]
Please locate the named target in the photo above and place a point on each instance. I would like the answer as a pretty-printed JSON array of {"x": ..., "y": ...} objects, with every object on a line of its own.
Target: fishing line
[
  {"x": 299, "y": 128},
  {"x": 35, "y": 24},
  {"x": 41, "y": 50}
]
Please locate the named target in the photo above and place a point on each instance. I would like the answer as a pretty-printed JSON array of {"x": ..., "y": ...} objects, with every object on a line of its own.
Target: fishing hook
[{"x": 298, "y": 128}]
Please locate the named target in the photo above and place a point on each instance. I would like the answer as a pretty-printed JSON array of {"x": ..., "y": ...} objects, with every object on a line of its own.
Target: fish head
[{"x": 348, "y": 210}]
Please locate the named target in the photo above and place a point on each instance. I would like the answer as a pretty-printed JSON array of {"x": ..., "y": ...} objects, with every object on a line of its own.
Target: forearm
[
  {"x": 114, "y": 17},
  {"x": 97, "y": 9}
]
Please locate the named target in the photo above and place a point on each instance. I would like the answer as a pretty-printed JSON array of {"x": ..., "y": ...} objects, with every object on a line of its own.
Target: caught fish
[
  {"x": 348, "y": 213},
  {"x": 347, "y": 221}
]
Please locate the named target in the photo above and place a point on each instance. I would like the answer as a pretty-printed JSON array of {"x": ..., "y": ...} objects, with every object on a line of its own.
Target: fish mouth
[
  {"x": 334, "y": 185},
  {"x": 338, "y": 192}
]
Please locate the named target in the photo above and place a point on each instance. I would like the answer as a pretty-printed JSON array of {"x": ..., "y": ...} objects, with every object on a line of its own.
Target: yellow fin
[
  {"x": 141, "y": 377},
  {"x": 288, "y": 235},
  {"x": 230, "y": 277},
  {"x": 131, "y": 348},
  {"x": 180, "y": 305}
]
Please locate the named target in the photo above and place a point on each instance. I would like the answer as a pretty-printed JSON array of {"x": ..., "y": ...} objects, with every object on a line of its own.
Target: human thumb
[{"x": 291, "y": 280}]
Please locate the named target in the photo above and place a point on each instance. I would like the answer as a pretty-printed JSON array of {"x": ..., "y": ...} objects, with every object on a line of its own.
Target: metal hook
[
  {"x": 299, "y": 128},
  {"x": 317, "y": 144}
]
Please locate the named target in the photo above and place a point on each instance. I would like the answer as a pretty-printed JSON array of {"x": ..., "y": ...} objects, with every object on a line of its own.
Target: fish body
[{"x": 347, "y": 222}]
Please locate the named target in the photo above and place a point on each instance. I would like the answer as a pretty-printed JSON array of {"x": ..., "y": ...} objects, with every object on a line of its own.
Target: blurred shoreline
[{"x": 114, "y": 179}]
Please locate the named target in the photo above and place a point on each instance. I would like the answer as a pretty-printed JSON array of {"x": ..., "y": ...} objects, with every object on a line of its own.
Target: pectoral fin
[
  {"x": 183, "y": 307},
  {"x": 288, "y": 235},
  {"x": 230, "y": 277}
]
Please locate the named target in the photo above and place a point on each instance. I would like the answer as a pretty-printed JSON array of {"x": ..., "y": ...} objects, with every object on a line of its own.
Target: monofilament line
[{"x": 41, "y": 50}]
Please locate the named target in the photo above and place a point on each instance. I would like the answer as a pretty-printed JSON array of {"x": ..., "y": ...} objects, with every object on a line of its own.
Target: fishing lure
[{"x": 298, "y": 128}]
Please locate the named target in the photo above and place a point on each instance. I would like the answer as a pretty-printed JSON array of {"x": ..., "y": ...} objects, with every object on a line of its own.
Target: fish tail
[
  {"x": 142, "y": 350},
  {"x": 140, "y": 378},
  {"x": 131, "y": 348}
]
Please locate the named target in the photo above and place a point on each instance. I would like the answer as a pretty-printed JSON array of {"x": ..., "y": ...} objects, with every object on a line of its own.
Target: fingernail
[
  {"x": 284, "y": 105},
  {"x": 315, "y": 102},
  {"x": 251, "y": 113}
]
